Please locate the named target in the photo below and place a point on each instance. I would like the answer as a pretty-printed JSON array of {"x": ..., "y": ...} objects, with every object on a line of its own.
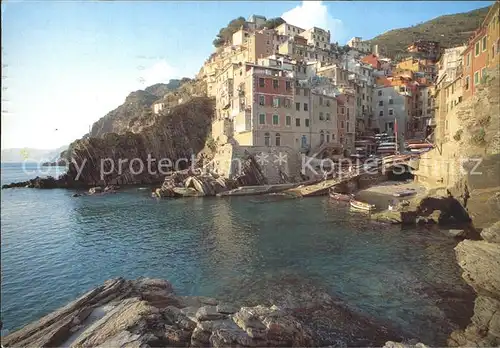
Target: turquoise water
[{"x": 55, "y": 247}]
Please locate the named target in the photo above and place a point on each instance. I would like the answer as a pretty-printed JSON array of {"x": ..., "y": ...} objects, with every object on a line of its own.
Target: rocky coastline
[
  {"x": 480, "y": 262},
  {"x": 147, "y": 313}
]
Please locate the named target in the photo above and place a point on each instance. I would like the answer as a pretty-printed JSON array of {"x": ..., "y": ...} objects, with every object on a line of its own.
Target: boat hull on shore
[
  {"x": 340, "y": 196},
  {"x": 362, "y": 205}
]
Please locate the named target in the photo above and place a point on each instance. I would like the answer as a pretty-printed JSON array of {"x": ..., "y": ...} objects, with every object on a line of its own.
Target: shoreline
[{"x": 134, "y": 309}]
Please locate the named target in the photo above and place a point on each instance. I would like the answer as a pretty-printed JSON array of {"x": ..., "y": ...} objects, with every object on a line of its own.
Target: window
[
  {"x": 297, "y": 106},
  {"x": 347, "y": 127},
  {"x": 467, "y": 81},
  {"x": 327, "y": 137},
  {"x": 391, "y": 101},
  {"x": 381, "y": 113},
  {"x": 307, "y": 122},
  {"x": 342, "y": 110},
  {"x": 306, "y": 91},
  {"x": 327, "y": 102},
  {"x": 467, "y": 59},
  {"x": 321, "y": 116},
  {"x": 379, "y": 93},
  {"x": 276, "y": 102},
  {"x": 320, "y": 100},
  {"x": 288, "y": 103},
  {"x": 381, "y": 103},
  {"x": 262, "y": 100},
  {"x": 261, "y": 82},
  {"x": 483, "y": 73},
  {"x": 297, "y": 91},
  {"x": 483, "y": 43},
  {"x": 276, "y": 84},
  {"x": 477, "y": 49},
  {"x": 363, "y": 96},
  {"x": 288, "y": 85},
  {"x": 342, "y": 124},
  {"x": 391, "y": 112},
  {"x": 327, "y": 116},
  {"x": 276, "y": 120},
  {"x": 347, "y": 113},
  {"x": 278, "y": 139},
  {"x": 297, "y": 122},
  {"x": 262, "y": 119},
  {"x": 306, "y": 108},
  {"x": 476, "y": 78},
  {"x": 321, "y": 137},
  {"x": 266, "y": 139},
  {"x": 288, "y": 120}
]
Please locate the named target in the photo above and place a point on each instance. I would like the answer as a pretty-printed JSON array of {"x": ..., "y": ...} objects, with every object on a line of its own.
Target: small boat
[
  {"x": 420, "y": 146},
  {"x": 362, "y": 205},
  {"x": 404, "y": 193},
  {"x": 341, "y": 196}
]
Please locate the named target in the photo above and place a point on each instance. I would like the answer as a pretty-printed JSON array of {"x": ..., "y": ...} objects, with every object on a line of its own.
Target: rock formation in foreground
[
  {"x": 146, "y": 313},
  {"x": 480, "y": 261}
]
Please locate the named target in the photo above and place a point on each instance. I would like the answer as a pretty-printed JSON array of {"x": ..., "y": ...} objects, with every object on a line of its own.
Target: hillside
[
  {"x": 136, "y": 112},
  {"x": 449, "y": 30},
  {"x": 178, "y": 134}
]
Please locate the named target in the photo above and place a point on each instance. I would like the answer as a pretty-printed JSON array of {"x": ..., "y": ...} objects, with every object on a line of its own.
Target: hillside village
[{"x": 292, "y": 89}]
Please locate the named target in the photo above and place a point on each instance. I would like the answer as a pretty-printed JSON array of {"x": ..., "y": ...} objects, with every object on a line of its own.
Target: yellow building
[{"x": 492, "y": 25}]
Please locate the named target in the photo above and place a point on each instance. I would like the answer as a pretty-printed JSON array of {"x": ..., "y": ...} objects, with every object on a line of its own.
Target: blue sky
[{"x": 71, "y": 62}]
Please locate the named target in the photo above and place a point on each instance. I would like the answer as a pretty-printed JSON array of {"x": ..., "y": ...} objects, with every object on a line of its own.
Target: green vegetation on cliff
[
  {"x": 449, "y": 31},
  {"x": 225, "y": 34}
]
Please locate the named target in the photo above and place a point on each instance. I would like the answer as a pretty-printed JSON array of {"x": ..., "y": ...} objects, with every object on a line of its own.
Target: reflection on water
[{"x": 55, "y": 247}]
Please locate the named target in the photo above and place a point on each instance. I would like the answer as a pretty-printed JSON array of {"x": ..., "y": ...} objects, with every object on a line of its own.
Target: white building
[
  {"x": 317, "y": 37},
  {"x": 288, "y": 29},
  {"x": 449, "y": 63},
  {"x": 357, "y": 44},
  {"x": 157, "y": 107},
  {"x": 392, "y": 103}
]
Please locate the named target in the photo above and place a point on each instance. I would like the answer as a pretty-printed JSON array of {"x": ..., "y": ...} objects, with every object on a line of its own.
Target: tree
[
  {"x": 273, "y": 23},
  {"x": 225, "y": 34}
]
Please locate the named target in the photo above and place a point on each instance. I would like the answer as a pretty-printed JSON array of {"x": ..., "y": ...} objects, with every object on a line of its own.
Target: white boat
[{"x": 362, "y": 205}]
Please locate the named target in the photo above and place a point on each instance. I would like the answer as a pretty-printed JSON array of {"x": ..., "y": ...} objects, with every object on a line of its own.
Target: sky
[{"x": 65, "y": 64}]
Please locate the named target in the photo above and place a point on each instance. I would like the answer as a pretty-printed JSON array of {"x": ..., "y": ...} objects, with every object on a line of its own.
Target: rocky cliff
[
  {"x": 180, "y": 133},
  {"x": 480, "y": 261},
  {"x": 468, "y": 153},
  {"x": 147, "y": 313},
  {"x": 136, "y": 111}
]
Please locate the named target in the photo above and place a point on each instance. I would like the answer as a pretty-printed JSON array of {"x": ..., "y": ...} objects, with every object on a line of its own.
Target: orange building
[
  {"x": 372, "y": 60},
  {"x": 474, "y": 62},
  {"x": 482, "y": 52}
]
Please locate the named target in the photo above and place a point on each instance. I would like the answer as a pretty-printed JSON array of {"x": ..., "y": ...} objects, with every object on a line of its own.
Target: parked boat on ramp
[
  {"x": 362, "y": 205},
  {"x": 341, "y": 196}
]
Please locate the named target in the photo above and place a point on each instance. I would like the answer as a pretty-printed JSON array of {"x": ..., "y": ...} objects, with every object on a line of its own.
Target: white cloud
[
  {"x": 314, "y": 14},
  {"x": 160, "y": 71}
]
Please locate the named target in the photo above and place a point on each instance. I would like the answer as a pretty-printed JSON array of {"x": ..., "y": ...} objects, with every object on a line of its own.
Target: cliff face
[
  {"x": 136, "y": 113},
  {"x": 116, "y": 158},
  {"x": 469, "y": 153}
]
